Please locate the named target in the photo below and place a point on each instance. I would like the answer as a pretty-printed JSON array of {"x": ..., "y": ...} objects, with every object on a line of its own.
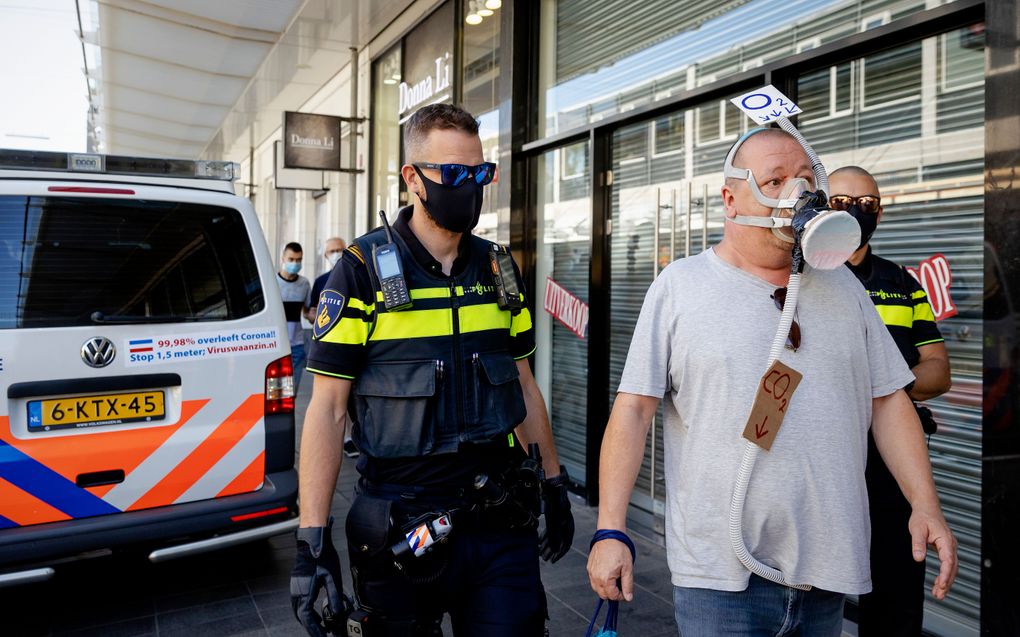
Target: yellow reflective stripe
[
  {"x": 520, "y": 358},
  {"x": 510, "y": 439},
  {"x": 391, "y": 326},
  {"x": 486, "y": 316},
  {"x": 430, "y": 293},
  {"x": 349, "y": 331},
  {"x": 425, "y": 293},
  {"x": 919, "y": 294},
  {"x": 931, "y": 342},
  {"x": 900, "y": 315},
  {"x": 923, "y": 312},
  {"x": 460, "y": 290},
  {"x": 520, "y": 323},
  {"x": 358, "y": 304},
  {"x": 319, "y": 371}
]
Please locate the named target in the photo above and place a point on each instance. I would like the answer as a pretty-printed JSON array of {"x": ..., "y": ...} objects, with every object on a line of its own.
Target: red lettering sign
[
  {"x": 935, "y": 277},
  {"x": 566, "y": 308}
]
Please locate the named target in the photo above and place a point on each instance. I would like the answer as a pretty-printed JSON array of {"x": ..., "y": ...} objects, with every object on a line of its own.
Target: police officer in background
[
  {"x": 445, "y": 405},
  {"x": 895, "y": 607}
]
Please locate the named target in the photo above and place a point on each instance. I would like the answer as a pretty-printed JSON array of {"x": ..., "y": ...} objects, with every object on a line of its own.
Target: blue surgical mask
[{"x": 292, "y": 267}]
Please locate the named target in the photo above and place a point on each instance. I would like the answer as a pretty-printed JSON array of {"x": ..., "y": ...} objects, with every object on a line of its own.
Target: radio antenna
[{"x": 386, "y": 224}]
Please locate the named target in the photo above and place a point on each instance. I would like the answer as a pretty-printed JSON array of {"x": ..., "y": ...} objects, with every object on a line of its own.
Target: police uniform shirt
[
  {"x": 903, "y": 306},
  {"x": 901, "y": 303},
  {"x": 343, "y": 355}
]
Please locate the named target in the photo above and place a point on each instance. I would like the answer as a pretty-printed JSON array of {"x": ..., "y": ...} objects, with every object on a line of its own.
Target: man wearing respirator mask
[{"x": 701, "y": 343}]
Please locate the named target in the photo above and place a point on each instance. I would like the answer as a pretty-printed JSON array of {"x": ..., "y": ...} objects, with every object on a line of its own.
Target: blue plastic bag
[{"x": 609, "y": 627}]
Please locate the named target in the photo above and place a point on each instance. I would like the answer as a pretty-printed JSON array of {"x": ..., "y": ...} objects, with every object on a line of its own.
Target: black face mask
[
  {"x": 867, "y": 222},
  {"x": 453, "y": 208}
]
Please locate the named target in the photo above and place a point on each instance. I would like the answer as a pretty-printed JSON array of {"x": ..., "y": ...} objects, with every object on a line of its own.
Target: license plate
[{"x": 93, "y": 411}]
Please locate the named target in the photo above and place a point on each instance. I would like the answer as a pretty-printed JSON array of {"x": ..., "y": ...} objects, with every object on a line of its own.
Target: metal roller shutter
[{"x": 914, "y": 118}]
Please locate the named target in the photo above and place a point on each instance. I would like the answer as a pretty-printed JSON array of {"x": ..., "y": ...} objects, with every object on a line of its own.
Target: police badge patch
[{"x": 327, "y": 315}]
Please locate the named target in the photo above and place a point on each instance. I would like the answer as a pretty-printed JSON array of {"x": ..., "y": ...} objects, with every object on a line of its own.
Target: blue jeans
[
  {"x": 298, "y": 357},
  {"x": 763, "y": 609}
]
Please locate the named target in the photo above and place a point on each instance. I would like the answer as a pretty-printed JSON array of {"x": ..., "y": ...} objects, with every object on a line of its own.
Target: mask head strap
[{"x": 745, "y": 174}]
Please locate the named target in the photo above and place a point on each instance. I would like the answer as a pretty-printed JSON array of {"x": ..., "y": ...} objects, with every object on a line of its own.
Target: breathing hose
[{"x": 751, "y": 450}]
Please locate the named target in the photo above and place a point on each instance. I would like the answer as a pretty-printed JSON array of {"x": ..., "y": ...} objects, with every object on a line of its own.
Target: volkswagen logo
[{"x": 98, "y": 351}]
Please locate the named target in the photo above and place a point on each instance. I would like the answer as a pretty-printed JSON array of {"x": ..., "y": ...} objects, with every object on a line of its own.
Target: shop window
[
  {"x": 480, "y": 93},
  {"x": 891, "y": 77},
  {"x": 708, "y": 123},
  {"x": 962, "y": 59},
  {"x": 668, "y": 134},
  {"x": 620, "y": 55},
  {"x": 386, "y": 160}
]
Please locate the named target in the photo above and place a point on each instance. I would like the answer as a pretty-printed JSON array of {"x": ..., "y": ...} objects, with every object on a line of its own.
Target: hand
[
  {"x": 931, "y": 528},
  {"x": 611, "y": 570},
  {"x": 559, "y": 522},
  {"x": 316, "y": 565}
]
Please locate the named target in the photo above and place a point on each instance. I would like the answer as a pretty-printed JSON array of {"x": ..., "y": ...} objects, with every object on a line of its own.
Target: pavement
[{"x": 244, "y": 590}]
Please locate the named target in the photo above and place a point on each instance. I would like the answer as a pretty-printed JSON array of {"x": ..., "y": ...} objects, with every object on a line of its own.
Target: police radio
[
  {"x": 508, "y": 295},
  {"x": 389, "y": 271}
]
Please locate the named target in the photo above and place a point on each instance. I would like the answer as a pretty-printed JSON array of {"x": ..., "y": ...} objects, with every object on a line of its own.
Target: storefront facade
[{"x": 609, "y": 121}]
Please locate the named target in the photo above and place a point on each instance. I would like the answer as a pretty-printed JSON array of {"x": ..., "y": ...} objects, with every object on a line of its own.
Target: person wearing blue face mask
[{"x": 294, "y": 291}]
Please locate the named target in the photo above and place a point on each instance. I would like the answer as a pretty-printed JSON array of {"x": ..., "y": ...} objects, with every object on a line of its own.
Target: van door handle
[{"x": 99, "y": 478}]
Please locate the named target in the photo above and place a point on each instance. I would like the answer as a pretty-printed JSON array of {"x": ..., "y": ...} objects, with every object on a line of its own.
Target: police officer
[
  {"x": 444, "y": 400},
  {"x": 895, "y": 605}
]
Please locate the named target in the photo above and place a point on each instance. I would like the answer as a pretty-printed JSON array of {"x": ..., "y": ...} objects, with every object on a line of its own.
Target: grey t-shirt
[
  {"x": 701, "y": 343},
  {"x": 294, "y": 295}
]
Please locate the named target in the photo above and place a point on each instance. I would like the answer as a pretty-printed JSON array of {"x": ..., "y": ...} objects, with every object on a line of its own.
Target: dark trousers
[
  {"x": 895, "y": 606},
  {"x": 485, "y": 577}
]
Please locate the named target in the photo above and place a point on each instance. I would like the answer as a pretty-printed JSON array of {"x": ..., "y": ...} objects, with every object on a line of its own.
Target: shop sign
[
  {"x": 311, "y": 141},
  {"x": 936, "y": 278},
  {"x": 566, "y": 308},
  {"x": 427, "y": 77}
]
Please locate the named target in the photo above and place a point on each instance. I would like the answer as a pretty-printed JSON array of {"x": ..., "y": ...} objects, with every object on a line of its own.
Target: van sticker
[
  {"x": 176, "y": 348},
  {"x": 331, "y": 304}
]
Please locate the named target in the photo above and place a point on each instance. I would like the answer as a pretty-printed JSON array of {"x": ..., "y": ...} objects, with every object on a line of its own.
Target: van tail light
[{"x": 280, "y": 386}]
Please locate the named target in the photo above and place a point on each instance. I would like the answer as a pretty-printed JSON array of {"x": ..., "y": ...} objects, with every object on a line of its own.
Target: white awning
[{"x": 167, "y": 72}]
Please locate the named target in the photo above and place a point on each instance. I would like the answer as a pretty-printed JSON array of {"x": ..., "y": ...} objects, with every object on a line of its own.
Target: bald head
[
  {"x": 853, "y": 181},
  {"x": 755, "y": 141}
]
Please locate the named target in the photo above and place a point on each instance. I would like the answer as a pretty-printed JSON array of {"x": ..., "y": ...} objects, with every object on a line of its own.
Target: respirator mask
[{"x": 825, "y": 237}]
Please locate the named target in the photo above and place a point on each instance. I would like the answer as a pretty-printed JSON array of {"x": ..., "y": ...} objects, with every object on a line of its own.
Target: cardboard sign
[
  {"x": 766, "y": 104},
  {"x": 771, "y": 404}
]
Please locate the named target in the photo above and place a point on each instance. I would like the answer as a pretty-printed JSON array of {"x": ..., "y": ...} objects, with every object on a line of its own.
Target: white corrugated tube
[{"x": 751, "y": 452}]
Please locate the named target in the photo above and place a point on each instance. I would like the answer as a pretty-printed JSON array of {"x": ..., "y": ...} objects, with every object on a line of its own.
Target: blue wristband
[{"x": 613, "y": 534}]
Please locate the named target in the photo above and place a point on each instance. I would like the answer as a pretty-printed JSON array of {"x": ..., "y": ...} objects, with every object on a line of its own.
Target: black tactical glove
[
  {"x": 559, "y": 522},
  {"x": 316, "y": 565}
]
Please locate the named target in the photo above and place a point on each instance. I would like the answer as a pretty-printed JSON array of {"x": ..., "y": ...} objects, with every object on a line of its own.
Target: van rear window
[{"x": 86, "y": 261}]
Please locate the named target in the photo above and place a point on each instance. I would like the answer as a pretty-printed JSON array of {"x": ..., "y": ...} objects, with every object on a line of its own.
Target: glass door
[
  {"x": 563, "y": 207},
  {"x": 664, "y": 205}
]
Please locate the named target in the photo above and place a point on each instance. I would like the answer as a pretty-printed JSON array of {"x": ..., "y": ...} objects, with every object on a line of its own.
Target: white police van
[{"x": 146, "y": 387}]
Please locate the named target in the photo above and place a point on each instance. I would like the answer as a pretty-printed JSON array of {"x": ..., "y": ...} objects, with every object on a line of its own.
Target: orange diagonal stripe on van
[
  {"x": 97, "y": 450},
  {"x": 248, "y": 480},
  {"x": 199, "y": 461},
  {"x": 24, "y": 508}
]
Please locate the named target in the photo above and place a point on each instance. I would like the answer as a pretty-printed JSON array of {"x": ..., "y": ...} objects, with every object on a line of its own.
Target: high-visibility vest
[{"x": 440, "y": 372}]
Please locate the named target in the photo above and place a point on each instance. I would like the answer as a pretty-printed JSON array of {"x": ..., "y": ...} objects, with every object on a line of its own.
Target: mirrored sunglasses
[
  {"x": 869, "y": 203},
  {"x": 457, "y": 174}
]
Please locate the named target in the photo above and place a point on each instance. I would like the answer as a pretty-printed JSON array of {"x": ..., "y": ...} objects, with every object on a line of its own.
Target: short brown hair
[{"x": 435, "y": 117}]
